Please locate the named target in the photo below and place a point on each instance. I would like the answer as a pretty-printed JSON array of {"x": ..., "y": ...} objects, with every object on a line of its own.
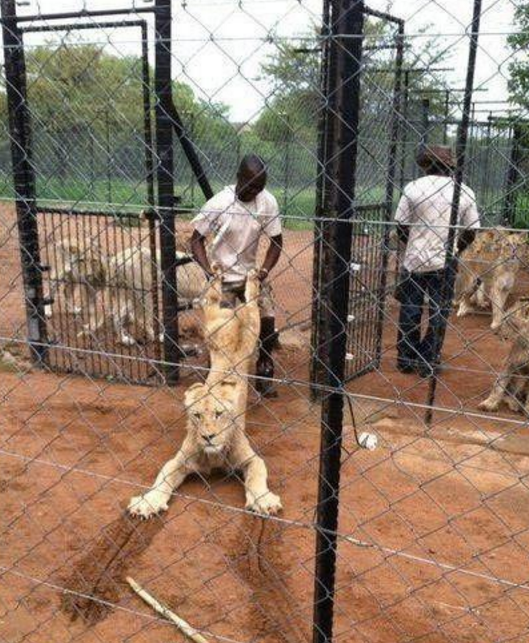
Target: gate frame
[
  {"x": 24, "y": 181},
  {"x": 148, "y": 145},
  {"x": 163, "y": 204},
  {"x": 327, "y": 151}
]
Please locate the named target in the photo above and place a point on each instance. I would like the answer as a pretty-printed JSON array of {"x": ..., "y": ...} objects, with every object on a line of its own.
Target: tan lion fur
[
  {"x": 130, "y": 279},
  {"x": 511, "y": 386},
  {"x": 216, "y": 409},
  {"x": 77, "y": 272},
  {"x": 488, "y": 270}
]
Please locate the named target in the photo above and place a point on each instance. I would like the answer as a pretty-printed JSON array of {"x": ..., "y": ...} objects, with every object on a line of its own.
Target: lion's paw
[
  {"x": 267, "y": 505},
  {"x": 487, "y": 406},
  {"x": 148, "y": 505}
]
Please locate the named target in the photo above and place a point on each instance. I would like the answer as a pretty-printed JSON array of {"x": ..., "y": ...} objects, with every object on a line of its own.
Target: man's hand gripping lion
[{"x": 216, "y": 410}]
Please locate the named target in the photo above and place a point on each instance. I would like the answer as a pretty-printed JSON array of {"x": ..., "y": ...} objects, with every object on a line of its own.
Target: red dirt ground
[{"x": 436, "y": 519}]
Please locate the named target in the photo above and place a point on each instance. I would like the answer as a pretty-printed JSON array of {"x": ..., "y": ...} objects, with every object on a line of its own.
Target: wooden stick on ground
[{"x": 182, "y": 625}]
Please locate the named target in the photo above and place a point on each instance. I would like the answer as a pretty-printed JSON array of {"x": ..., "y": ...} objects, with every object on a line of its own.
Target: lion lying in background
[
  {"x": 216, "y": 410},
  {"x": 488, "y": 270},
  {"x": 77, "y": 272},
  {"x": 511, "y": 385}
]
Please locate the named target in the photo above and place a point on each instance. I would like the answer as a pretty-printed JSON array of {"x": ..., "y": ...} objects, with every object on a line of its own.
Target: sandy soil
[{"x": 434, "y": 524}]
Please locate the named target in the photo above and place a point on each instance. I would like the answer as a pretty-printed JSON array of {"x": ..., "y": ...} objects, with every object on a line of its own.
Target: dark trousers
[{"x": 412, "y": 289}]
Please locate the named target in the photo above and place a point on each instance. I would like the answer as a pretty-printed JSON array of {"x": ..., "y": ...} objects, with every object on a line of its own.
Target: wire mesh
[{"x": 428, "y": 494}]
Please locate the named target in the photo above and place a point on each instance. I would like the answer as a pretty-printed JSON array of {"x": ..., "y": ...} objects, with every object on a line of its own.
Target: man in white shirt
[
  {"x": 235, "y": 220},
  {"x": 423, "y": 218}
]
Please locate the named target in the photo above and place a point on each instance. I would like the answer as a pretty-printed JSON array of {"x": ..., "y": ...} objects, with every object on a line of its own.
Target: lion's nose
[{"x": 209, "y": 437}]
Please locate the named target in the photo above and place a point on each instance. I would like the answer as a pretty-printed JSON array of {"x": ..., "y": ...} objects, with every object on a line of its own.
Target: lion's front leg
[
  {"x": 515, "y": 395},
  {"x": 499, "y": 389},
  {"x": 156, "y": 500},
  {"x": 259, "y": 498}
]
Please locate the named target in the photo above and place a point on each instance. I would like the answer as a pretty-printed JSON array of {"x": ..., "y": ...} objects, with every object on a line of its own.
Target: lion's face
[
  {"x": 74, "y": 261},
  {"x": 212, "y": 416}
]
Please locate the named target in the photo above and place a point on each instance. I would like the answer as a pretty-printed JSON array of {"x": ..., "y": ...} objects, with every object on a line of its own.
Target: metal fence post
[
  {"x": 287, "y": 165},
  {"x": 327, "y": 70},
  {"x": 149, "y": 179},
  {"x": 24, "y": 179},
  {"x": 404, "y": 142},
  {"x": 425, "y": 122},
  {"x": 461, "y": 146},
  {"x": 446, "y": 115},
  {"x": 165, "y": 166},
  {"x": 347, "y": 19},
  {"x": 513, "y": 176},
  {"x": 396, "y": 115}
]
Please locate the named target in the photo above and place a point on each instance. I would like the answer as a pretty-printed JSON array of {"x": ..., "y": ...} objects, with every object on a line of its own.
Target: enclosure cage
[{"x": 404, "y": 492}]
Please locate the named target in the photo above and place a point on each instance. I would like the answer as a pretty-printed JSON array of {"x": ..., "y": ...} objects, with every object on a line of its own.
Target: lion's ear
[
  {"x": 194, "y": 393},
  {"x": 226, "y": 394}
]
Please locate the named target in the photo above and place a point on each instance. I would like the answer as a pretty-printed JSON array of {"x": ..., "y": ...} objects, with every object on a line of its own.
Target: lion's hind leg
[{"x": 213, "y": 293}]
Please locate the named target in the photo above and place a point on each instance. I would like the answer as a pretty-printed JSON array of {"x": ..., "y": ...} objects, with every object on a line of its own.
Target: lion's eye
[
  {"x": 197, "y": 416},
  {"x": 218, "y": 414}
]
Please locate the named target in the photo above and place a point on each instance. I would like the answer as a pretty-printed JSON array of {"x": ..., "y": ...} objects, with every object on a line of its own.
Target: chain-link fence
[{"x": 333, "y": 449}]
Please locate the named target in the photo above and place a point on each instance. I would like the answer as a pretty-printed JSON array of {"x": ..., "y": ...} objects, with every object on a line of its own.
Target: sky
[{"x": 219, "y": 45}]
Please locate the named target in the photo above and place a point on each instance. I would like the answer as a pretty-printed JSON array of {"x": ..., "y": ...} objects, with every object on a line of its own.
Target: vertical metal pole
[
  {"x": 446, "y": 114},
  {"x": 287, "y": 166},
  {"x": 461, "y": 145},
  {"x": 164, "y": 152},
  {"x": 327, "y": 70},
  {"x": 404, "y": 142},
  {"x": 425, "y": 122},
  {"x": 396, "y": 116},
  {"x": 147, "y": 121},
  {"x": 512, "y": 179},
  {"x": 107, "y": 144},
  {"x": 485, "y": 184},
  {"x": 149, "y": 178},
  {"x": 24, "y": 180},
  {"x": 347, "y": 19},
  {"x": 192, "y": 136}
]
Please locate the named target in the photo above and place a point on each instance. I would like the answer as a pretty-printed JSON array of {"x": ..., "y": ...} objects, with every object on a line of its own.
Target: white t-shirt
[
  {"x": 236, "y": 228},
  {"x": 425, "y": 206}
]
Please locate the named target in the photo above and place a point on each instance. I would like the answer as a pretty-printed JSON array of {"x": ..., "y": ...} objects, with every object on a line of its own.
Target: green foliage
[
  {"x": 519, "y": 68},
  {"x": 76, "y": 89},
  {"x": 294, "y": 73}
]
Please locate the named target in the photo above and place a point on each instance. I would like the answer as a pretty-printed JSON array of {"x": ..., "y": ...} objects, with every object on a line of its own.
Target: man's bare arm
[
  {"x": 198, "y": 250},
  {"x": 272, "y": 255},
  {"x": 403, "y": 232}
]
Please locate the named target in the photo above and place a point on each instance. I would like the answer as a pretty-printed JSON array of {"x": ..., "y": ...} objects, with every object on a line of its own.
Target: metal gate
[
  {"x": 85, "y": 173},
  {"x": 372, "y": 210},
  {"x": 92, "y": 224}
]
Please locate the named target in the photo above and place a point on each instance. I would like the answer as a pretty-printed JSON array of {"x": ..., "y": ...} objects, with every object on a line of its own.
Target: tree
[
  {"x": 294, "y": 74},
  {"x": 87, "y": 114},
  {"x": 519, "y": 68}
]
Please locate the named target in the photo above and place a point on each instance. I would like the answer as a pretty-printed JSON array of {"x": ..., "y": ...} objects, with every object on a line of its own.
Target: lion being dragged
[{"x": 216, "y": 409}]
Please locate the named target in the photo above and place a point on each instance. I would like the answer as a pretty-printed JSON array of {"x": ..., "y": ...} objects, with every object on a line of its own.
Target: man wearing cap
[
  {"x": 423, "y": 220},
  {"x": 234, "y": 220}
]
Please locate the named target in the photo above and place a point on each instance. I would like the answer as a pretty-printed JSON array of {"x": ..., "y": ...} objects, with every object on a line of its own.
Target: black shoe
[{"x": 407, "y": 367}]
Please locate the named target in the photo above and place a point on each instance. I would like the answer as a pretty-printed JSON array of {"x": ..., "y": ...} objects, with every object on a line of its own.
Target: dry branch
[{"x": 182, "y": 625}]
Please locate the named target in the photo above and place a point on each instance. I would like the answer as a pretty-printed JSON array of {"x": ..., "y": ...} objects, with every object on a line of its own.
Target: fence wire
[{"x": 344, "y": 440}]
